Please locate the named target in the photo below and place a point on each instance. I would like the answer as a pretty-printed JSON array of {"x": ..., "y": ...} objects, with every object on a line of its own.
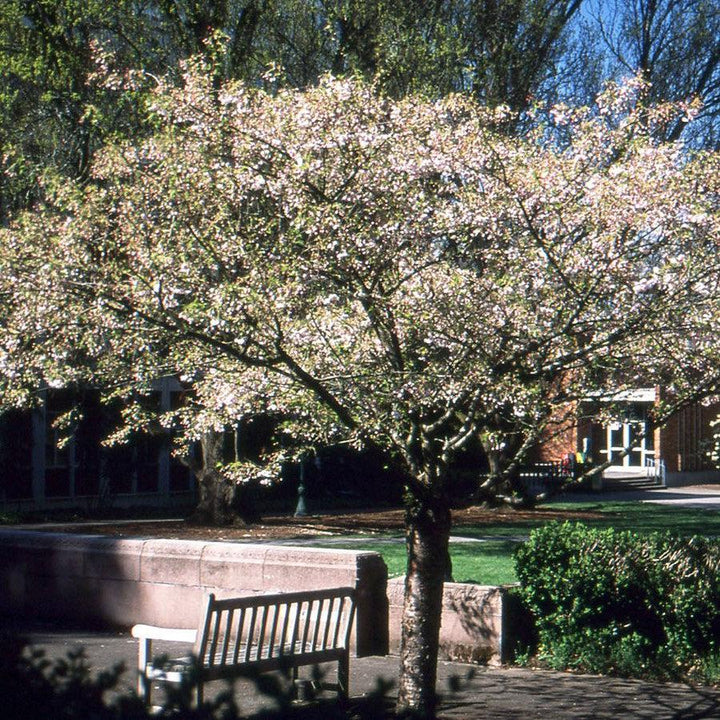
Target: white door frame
[{"x": 612, "y": 450}]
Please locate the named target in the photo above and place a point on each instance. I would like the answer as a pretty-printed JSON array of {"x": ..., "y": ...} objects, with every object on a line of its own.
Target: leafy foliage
[
  {"x": 615, "y": 601},
  {"x": 32, "y": 687}
]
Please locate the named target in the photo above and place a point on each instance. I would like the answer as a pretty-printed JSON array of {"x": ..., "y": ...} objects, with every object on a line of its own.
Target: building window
[{"x": 16, "y": 443}]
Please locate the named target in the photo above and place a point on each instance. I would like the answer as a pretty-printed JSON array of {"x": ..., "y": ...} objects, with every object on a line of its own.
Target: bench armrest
[
  {"x": 153, "y": 632},
  {"x": 146, "y": 634}
]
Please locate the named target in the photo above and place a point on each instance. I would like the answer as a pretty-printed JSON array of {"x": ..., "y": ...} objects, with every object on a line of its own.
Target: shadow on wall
[
  {"x": 480, "y": 623},
  {"x": 118, "y": 582},
  {"x": 485, "y": 624},
  {"x": 67, "y": 577}
]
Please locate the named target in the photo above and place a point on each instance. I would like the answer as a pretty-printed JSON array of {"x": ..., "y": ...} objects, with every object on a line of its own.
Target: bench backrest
[{"x": 260, "y": 627}]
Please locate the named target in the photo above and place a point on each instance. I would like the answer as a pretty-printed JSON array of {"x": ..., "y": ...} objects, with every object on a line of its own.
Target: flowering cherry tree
[{"x": 393, "y": 273}]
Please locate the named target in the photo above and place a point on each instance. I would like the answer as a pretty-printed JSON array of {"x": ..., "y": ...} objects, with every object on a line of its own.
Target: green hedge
[{"x": 609, "y": 601}]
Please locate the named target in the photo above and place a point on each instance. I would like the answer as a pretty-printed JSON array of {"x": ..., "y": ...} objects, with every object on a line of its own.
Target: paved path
[
  {"x": 693, "y": 496},
  {"x": 502, "y": 693},
  {"x": 699, "y": 496}
]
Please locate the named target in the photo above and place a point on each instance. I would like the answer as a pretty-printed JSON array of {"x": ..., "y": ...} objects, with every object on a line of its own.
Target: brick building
[
  {"x": 37, "y": 472},
  {"x": 42, "y": 467},
  {"x": 679, "y": 447}
]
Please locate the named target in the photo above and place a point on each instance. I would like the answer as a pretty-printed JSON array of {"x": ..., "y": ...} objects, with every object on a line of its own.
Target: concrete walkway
[
  {"x": 502, "y": 693},
  {"x": 692, "y": 496}
]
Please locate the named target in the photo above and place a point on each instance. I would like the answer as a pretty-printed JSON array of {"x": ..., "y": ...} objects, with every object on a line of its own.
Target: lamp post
[{"x": 301, "y": 508}]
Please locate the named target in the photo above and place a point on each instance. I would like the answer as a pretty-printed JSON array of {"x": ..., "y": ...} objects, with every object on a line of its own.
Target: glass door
[{"x": 629, "y": 432}]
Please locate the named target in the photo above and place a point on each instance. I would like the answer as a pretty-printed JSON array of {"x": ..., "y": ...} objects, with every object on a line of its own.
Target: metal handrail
[{"x": 658, "y": 469}]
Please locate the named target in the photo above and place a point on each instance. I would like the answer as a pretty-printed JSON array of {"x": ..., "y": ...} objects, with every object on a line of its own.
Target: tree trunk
[
  {"x": 428, "y": 532},
  {"x": 216, "y": 493}
]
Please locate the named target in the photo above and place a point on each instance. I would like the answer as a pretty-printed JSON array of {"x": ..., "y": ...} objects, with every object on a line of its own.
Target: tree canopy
[{"x": 389, "y": 272}]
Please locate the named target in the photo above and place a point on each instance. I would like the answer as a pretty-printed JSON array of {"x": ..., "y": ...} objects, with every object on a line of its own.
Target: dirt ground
[{"x": 287, "y": 527}]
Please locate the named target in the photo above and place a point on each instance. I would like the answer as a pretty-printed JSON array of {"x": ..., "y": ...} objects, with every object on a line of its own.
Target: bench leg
[
  {"x": 144, "y": 683},
  {"x": 198, "y": 693},
  {"x": 344, "y": 677}
]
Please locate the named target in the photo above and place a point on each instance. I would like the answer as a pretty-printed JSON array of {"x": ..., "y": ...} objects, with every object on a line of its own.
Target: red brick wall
[
  {"x": 684, "y": 437},
  {"x": 563, "y": 441}
]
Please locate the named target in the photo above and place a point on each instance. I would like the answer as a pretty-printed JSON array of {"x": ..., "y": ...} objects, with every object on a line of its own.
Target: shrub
[
  {"x": 618, "y": 602},
  {"x": 32, "y": 687}
]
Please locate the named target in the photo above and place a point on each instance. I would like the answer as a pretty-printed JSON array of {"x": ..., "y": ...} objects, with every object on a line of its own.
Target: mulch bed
[{"x": 287, "y": 527}]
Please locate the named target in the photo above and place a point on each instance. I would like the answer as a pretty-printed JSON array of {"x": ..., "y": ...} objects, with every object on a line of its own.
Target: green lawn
[
  {"x": 649, "y": 517},
  {"x": 489, "y": 560}
]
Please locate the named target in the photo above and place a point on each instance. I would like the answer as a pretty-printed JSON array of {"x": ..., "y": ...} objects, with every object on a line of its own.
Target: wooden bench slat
[
  {"x": 273, "y": 628},
  {"x": 217, "y": 617},
  {"x": 251, "y": 630},
  {"x": 316, "y": 634},
  {"x": 227, "y": 635},
  {"x": 306, "y": 629},
  {"x": 285, "y": 621},
  {"x": 239, "y": 629},
  {"x": 328, "y": 622},
  {"x": 296, "y": 625},
  {"x": 336, "y": 631},
  {"x": 263, "y": 628}
]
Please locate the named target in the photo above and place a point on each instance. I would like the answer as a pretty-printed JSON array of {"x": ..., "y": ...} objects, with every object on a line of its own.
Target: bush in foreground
[
  {"x": 607, "y": 601},
  {"x": 33, "y": 687}
]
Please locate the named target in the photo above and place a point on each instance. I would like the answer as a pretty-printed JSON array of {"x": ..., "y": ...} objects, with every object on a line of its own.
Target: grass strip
[{"x": 488, "y": 560}]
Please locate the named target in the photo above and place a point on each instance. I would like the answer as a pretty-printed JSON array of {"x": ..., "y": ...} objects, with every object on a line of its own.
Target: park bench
[{"x": 240, "y": 637}]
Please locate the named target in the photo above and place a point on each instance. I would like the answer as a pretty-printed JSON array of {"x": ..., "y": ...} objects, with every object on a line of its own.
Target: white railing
[{"x": 656, "y": 469}]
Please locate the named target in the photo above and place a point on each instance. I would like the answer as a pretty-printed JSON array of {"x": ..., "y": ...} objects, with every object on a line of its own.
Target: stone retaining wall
[
  {"x": 120, "y": 582},
  {"x": 479, "y": 622}
]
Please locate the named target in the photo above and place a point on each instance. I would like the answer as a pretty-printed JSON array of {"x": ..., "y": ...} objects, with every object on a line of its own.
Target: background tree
[
  {"x": 55, "y": 113},
  {"x": 54, "y": 116},
  {"x": 514, "y": 50},
  {"x": 673, "y": 44},
  {"x": 390, "y": 273}
]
